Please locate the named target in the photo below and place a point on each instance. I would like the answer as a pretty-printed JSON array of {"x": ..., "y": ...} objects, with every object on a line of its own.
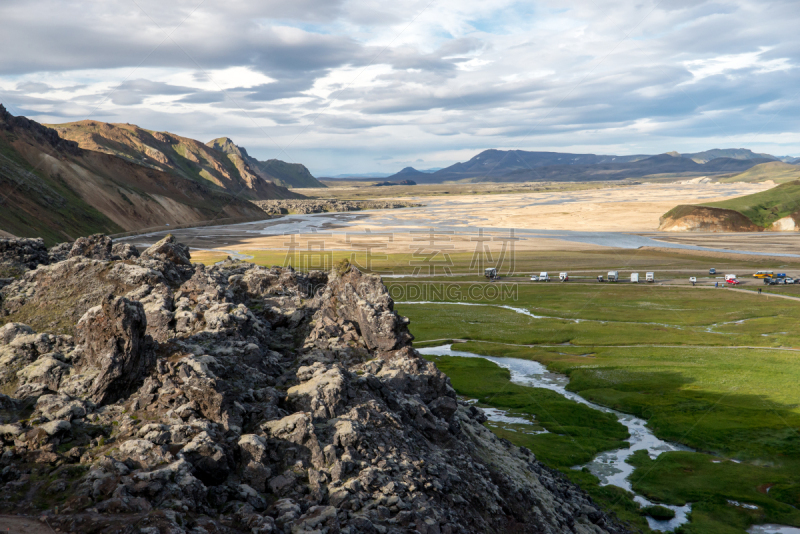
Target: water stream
[{"x": 610, "y": 466}]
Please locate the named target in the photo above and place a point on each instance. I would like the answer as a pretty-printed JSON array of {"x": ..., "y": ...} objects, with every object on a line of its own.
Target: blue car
[{"x": 712, "y": 271}]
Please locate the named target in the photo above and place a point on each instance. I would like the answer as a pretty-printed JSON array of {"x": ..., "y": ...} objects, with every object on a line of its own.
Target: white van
[
  {"x": 544, "y": 277},
  {"x": 564, "y": 277},
  {"x": 650, "y": 277},
  {"x": 634, "y": 278},
  {"x": 693, "y": 279},
  {"x": 613, "y": 276}
]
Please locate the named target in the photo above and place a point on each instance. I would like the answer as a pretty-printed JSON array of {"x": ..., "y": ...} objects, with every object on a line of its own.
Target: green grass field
[
  {"x": 729, "y": 404},
  {"x": 765, "y": 207}
]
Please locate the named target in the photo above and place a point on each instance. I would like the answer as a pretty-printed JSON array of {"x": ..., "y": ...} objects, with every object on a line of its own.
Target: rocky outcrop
[
  {"x": 301, "y": 207},
  {"x": 20, "y": 255},
  {"x": 237, "y": 398},
  {"x": 687, "y": 218},
  {"x": 96, "y": 247}
]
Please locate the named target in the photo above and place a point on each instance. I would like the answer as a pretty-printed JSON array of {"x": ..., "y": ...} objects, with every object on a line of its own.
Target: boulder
[
  {"x": 169, "y": 249},
  {"x": 95, "y": 247},
  {"x": 112, "y": 337},
  {"x": 124, "y": 251},
  {"x": 18, "y": 255}
]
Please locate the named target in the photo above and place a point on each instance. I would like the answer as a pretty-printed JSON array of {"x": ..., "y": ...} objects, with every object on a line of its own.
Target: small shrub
[{"x": 661, "y": 513}]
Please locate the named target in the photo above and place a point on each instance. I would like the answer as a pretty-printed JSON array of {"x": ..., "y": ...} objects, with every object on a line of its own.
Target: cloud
[{"x": 346, "y": 85}]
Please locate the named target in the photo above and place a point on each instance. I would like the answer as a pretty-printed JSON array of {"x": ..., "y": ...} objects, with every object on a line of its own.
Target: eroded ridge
[{"x": 144, "y": 393}]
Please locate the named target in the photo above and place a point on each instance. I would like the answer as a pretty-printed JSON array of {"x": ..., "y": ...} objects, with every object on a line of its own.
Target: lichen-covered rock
[
  {"x": 124, "y": 251},
  {"x": 115, "y": 348},
  {"x": 18, "y": 255},
  {"x": 169, "y": 249},
  {"x": 59, "y": 252},
  {"x": 95, "y": 247},
  {"x": 151, "y": 395}
]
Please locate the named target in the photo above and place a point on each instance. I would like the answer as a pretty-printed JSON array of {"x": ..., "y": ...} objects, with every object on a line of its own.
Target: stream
[{"x": 610, "y": 466}]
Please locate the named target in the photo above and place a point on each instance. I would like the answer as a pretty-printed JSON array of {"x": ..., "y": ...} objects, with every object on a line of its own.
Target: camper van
[
  {"x": 763, "y": 274},
  {"x": 613, "y": 276},
  {"x": 731, "y": 279},
  {"x": 490, "y": 273},
  {"x": 634, "y": 278},
  {"x": 693, "y": 279},
  {"x": 544, "y": 277},
  {"x": 650, "y": 277},
  {"x": 564, "y": 277}
]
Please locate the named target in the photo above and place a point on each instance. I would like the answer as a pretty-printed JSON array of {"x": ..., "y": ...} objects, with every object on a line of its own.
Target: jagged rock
[
  {"x": 18, "y": 255},
  {"x": 364, "y": 300},
  {"x": 238, "y": 398},
  {"x": 168, "y": 249},
  {"x": 59, "y": 252},
  {"x": 96, "y": 247},
  {"x": 115, "y": 347},
  {"x": 124, "y": 251}
]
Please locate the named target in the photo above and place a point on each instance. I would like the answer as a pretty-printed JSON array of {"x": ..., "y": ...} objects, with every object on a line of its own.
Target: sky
[{"x": 358, "y": 86}]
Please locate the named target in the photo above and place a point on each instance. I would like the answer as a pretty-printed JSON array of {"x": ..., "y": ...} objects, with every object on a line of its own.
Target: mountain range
[
  {"x": 523, "y": 166},
  {"x": 81, "y": 178}
]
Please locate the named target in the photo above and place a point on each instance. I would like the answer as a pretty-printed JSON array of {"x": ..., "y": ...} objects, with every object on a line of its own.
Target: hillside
[
  {"x": 733, "y": 153},
  {"x": 520, "y": 166},
  {"x": 293, "y": 175},
  {"x": 173, "y": 154},
  {"x": 777, "y": 171},
  {"x": 775, "y": 210},
  {"x": 54, "y": 189}
]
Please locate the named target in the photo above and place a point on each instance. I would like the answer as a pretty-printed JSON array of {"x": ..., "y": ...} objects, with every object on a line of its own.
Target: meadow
[{"x": 673, "y": 356}]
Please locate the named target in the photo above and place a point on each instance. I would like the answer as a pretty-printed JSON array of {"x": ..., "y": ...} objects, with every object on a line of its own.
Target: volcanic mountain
[
  {"x": 293, "y": 175},
  {"x": 53, "y": 188}
]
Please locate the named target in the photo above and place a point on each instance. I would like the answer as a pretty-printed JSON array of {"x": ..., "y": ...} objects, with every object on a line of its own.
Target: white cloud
[{"x": 362, "y": 85}]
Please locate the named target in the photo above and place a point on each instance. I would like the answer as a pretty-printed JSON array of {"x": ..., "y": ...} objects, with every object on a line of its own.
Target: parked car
[
  {"x": 534, "y": 278},
  {"x": 770, "y": 281},
  {"x": 600, "y": 278},
  {"x": 712, "y": 271},
  {"x": 693, "y": 279},
  {"x": 490, "y": 273},
  {"x": 563, "y": 277}
]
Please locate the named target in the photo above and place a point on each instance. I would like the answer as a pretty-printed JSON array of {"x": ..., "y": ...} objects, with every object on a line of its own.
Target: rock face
[{"x": 236, "y": 398}]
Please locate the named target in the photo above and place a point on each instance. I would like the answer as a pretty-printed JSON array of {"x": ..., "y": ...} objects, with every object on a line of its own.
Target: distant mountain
[
  {"x": 293, "y": 175},
  {"x": 521, "y": 166},
  {"x": 359, "y": 176},
  {"x": 733, "y": 153},
  {"x": 492, "y": 165},
  {"x": 59, "y": 191},
  {"x": 174, "y": 154},
  {"x": 409, "y": 173}
]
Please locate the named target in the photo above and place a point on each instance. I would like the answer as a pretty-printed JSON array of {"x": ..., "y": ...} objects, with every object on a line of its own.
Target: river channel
[{"x": 610, "y": 466}]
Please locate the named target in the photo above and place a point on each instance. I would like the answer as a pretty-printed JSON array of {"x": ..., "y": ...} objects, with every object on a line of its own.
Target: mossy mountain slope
[
  {"x": 54, "y": 189},
  {"x": 293, "y": 175},
  {"x": 174, "y": 154},
  {"x": 776, "y": 210}
]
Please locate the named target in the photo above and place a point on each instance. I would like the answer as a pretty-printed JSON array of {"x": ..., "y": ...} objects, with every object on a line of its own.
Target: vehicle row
[{"x": 613, "y": 276}]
